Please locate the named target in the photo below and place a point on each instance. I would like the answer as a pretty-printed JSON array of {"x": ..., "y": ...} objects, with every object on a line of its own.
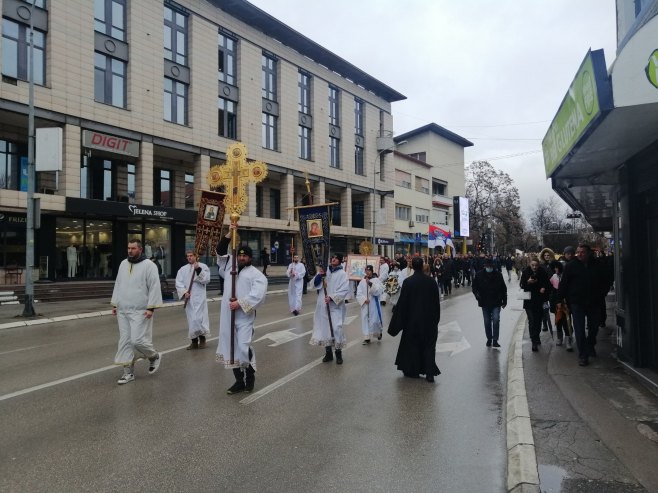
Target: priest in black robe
[{"x": 417, "y": 315}]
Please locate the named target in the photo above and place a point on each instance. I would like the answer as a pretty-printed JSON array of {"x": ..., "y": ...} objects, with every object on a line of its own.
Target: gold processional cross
[{"x": 234, "y": 176}]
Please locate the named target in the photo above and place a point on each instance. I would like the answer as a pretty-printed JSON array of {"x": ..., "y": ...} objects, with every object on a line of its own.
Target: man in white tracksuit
[
  {"x": 136, "y": 296},
  {"x": 191, "y": 281}
]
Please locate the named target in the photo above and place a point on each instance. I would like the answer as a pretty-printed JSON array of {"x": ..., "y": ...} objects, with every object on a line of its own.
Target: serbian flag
[{"x": 437, "y": 237}]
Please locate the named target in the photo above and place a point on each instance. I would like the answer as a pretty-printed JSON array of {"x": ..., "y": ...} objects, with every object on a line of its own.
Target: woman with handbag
[{"x": 535, "y": 282}]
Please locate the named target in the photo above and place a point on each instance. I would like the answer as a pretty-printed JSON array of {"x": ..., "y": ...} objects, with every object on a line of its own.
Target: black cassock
[{"x": 417, "y": 316}]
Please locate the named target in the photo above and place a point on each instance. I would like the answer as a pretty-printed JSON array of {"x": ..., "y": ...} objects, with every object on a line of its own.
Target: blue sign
[{"x": 23, "y": 174}]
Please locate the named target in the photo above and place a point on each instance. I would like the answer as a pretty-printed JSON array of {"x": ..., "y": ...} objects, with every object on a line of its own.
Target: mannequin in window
[
  {"x": 160, "y": 254},
  {"x": 148, "y": 250},
  {"x": 72, "y": 260}
]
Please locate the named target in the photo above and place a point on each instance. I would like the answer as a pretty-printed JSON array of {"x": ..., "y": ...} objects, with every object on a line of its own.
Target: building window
[
  {"x": 439, "y": 216},
  {"x": 334, "y": 152},
  {"x": 335, "y": 212},
  {"x": 227, "y": 59},
  {"x": 420, "y": 156},
  {"x": 109, "y": 80},
  {"x": 130, "y": 185},
  {"x": 438, "y": 188},
  {"x": 189, "y": 191},
  {"x": 259, "y": 201},
  {"x": 334, "y": 115},
  {"x": 275, "y": 203},
  {"x": 175, "y": 101},
  {"x": 358, "y": 161},
  {"x": 175, "y": 36},
  {"x": 422, "y": 215},
  {"x": 228, "y": 119},
  {"x": 358, "y": 214},
  {"x": 268, "y": 87},
  {"x": 304, "y": 85},
  {"x": 98, "y": 179},
  {"x": 15, "y": 52},
  {"x": 304, "y": 142},
  {"x": 402, "y": 212},
  {"x": 12, "y": 167},
  {"x": 269, "y": 131},
  {"x": 358, "y": 117},
  {"x": 162, "y": 188},
  {"x": 110, "y": 18},
  {"x": 402, "y": 179},
  {"x": 422, "y": 185}
]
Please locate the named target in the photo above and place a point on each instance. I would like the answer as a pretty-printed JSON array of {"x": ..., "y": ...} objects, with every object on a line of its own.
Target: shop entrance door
[{"x": 652, "y": 285}]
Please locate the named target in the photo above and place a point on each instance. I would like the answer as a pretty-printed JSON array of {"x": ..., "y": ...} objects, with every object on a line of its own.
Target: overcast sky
[{"x": 492, "y": 71}]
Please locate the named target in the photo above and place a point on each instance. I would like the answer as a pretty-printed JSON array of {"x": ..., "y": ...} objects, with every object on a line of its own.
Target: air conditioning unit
[{"x": 411, "y": 224}]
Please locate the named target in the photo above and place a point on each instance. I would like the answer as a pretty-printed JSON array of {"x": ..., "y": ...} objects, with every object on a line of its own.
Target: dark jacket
[
  {"x": 489, "y": 289},
  {"x": 537, "y": 299},
  {"x": 582, "y": 284}
]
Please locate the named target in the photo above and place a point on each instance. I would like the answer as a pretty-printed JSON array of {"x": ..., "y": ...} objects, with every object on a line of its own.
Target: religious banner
[
  {"x": 356, "y": 266},
  {"x": 314, "y": 225},
  {"x": 210, "y": 219}
]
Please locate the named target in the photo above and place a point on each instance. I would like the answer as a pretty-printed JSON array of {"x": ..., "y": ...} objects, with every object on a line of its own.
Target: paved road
[{"x": 309, "y": 426}]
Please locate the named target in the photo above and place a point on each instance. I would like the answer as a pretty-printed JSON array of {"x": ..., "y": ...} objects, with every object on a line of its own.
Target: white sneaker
[
  {"x": 125, "y": 378},
  {"x": 569, "y": 344},
  {"x": 155, "y": 364}
]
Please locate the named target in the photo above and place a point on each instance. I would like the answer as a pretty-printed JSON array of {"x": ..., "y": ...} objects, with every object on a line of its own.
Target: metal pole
[
  {"x": 28, "y": 309},
  {"x": 374, "y": 196}
]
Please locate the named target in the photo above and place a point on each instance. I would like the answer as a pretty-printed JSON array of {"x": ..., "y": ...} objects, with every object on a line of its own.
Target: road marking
[
  {"x": 24, "y": 349},
  {"x": 288, "y": 378},
  {"x": 450, "y": 339},
  {"x": 113, "y": 367},
  {"x": 282, "y": 336}
]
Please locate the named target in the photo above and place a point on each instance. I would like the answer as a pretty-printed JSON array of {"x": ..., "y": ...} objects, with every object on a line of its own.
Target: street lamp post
[
  {"x": 374, "y": 186},
  {"x": 28, "y": 307}
]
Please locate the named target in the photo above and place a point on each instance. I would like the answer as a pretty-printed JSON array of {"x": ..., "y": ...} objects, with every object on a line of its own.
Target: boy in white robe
[
  {"x": 296, "y": 273},
  {"x": 191, "y": 281},
  {"x": 367, "y": 295},
  {"x": 338, "y": 288},
  {"x": 250, "y": 291},
  {"x": 135, "y": 297}
]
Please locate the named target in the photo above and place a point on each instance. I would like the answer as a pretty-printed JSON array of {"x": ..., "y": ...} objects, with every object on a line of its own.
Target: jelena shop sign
[{"x": 110, "y": 208}]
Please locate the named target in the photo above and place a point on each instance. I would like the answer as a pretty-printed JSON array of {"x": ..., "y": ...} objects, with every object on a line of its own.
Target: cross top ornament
[{"x": 234, "y": 176}]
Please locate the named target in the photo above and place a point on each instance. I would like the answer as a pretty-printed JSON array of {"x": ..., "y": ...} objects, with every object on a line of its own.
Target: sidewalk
[
  {"x": 594, "y": 429},
  {"x": 10, "y": 314}
]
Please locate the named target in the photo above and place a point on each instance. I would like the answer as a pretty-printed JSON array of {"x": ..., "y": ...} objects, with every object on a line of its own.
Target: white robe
[
  {"x": 296, "y": 273},
  {"x": 197, "y": 306},
  {"x": 137, "y": 288},
  {"x": 251, "y": 288},
  {"x": 383, "y": 275},
  {"x": 371, "y": 312},
  {"x": 338, "y": 288}
]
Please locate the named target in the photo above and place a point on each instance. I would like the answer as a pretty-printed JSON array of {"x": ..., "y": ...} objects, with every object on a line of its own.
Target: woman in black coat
[{"x": 534, "y": 280}]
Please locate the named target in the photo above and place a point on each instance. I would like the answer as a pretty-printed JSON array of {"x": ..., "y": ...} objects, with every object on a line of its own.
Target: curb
[
  {"x": 522, "y": 471},
  {"x": 63, "y": 318}
]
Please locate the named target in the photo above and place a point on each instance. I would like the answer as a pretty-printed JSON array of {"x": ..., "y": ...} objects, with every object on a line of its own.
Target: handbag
[{"x": 524, "y": 295}]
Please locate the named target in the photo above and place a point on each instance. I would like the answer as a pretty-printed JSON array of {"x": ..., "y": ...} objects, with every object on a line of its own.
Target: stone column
[
  {"x": 144, "y": 172},
  {"x": 201, "y": 169}
]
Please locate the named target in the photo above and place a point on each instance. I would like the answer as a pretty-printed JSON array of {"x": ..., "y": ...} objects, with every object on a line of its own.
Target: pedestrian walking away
[
  {"x": 367, "y": 296},
  {"x": 333, "y": 288},
  {"x": 191, "y": 282},
  {"x": 490, "y": 292},
  {"x": 236, "y": 319},
  {"x": 265, "y": 260},
  {"x": 417, "y": 316},
  {"x": 296, "y": 273},
  {"x": 135, "y": 297}
]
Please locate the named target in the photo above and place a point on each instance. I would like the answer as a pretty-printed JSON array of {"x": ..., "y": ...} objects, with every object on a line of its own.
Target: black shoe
[
  {"x": 295, "y": 312},
  {"x": 488, "y": 342},
  {"x": 236, "y": 388},
  {"x": 383, "y": 303},
  {"x": 250, "y": 380},
  {"x": 495, "y": 344},
  {"x": 328, "y": 355},
  {"x": 592, "y": 351},
  {"x": 193, "y": 345},
  {"x": 545, "y": 329},
  {"x": 429, "y": 378},
  {"x": 339, "y": 357},
  {"x": 379, "y": 337},
  {"x": 583, "y": 362},
  {"x": 535, "y": 348}
]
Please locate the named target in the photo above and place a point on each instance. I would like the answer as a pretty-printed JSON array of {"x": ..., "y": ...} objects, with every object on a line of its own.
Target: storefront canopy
[{"x": 583, "y": 151}]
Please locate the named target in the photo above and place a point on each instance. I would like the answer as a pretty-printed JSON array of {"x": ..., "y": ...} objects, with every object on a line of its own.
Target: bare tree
[{"x": 494, "y": 207}]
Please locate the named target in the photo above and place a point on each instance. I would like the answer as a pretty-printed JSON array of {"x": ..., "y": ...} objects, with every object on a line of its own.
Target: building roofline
[
  {"x": 437, "y": 129},
  {"x": 269, "y": 25}
]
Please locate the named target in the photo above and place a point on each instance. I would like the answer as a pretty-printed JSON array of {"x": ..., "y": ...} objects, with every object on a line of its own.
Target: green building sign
[{"x": 589, "y": 94}]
